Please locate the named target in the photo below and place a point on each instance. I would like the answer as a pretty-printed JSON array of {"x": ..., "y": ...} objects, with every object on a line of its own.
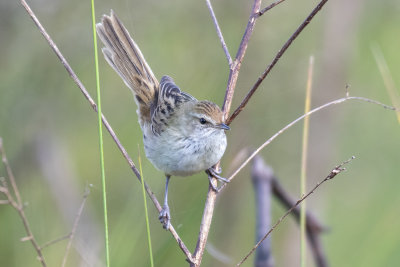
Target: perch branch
[
  {"x": 275, "y": 60},
  {"x": 18, "y": 205},
  {"x": 219, "y": 32},
  {"x": 338, "y": 169},
  {"x": 212, "y": 194},
  {"x": 105, "y": 122}
]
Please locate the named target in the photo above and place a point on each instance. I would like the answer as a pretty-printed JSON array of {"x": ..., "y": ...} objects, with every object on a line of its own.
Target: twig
[
  {"x": 10, "y": 173},
  {"x": 104, "y": 120},
  {"x": 313, "y": 226},
  {"x": 275, "y": 60},
  {"x": 269, "y": 7},
  {"x": 338, "y": 169},
  {"x": 18, "y": 205},
  {"x": 52, "y": 242},
  {"x": 75, "y": 225},
  {"x": 334, "y": 102},
  {"x": 236, "y": 64},
  {"x": 219, "y": 32}
]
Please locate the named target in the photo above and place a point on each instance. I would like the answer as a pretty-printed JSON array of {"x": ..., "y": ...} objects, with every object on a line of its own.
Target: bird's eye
[{"x": 203, "y": 121}]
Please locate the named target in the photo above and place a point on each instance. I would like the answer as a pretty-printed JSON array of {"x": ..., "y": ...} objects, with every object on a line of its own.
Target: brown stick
[
  {"x": 236, "y": 64},
  {"x": 104, "y": 120},
  {"x": 18, "y": 205},
  {"x": 275, "y": 60},
  {"x": 338, "y": 169}
]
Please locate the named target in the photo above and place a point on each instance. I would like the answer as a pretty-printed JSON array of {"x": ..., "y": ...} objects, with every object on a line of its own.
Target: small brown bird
[{"x": 181, "y": 135}]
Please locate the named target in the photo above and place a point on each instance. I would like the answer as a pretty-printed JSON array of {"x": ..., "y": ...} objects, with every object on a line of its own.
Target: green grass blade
[
  {"x": 146, "y": 212},
  {"x": 103, "y": 177},
  {"x": 303, "y": 176}
]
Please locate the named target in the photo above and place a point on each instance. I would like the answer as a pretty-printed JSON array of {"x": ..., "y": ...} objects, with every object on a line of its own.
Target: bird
[{"x": 181, "y": 135}]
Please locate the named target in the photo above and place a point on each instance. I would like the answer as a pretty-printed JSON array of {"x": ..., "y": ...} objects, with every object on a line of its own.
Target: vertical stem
[
  {"x": 235, "y": 66},
  {"x": 204, "y": 226},
  {"x": 303, "y": 178},
  {"x": 103, "y": 177}
]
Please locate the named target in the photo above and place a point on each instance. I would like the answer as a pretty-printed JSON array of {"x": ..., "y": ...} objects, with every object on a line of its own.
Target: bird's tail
[{"x": 123, "y": 54}]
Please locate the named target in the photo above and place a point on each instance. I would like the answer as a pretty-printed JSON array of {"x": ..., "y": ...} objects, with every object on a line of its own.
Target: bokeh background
[{"x": 50, "y": 132}]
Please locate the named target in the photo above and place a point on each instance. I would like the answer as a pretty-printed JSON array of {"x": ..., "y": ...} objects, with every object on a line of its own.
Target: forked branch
[{"x": 275, "y": 60}]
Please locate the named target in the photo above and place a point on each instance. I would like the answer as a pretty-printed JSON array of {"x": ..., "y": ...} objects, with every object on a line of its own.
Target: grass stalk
[
  {"x": 103, "y": 176},
  {"x": 146, "y": 212},
  {"x": 303, "y": 175},
  {"x": 387, "y": 77}
]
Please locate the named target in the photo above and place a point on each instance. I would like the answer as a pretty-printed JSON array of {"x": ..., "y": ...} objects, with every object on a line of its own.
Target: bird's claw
[
  {"x": 216, "y": 173},
  {"x": 165, "y": 217}
]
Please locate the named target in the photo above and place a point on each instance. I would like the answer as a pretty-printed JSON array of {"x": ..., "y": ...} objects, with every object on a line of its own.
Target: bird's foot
[
  {"x": 165, "y": 217},
  {"x": 214, "y": 173}
]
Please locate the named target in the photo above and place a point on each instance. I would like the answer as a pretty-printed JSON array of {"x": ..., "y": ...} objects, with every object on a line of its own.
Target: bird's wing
[{"x": 170, "y": 98}]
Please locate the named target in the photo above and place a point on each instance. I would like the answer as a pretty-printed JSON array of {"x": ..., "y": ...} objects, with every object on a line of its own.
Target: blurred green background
[{"x": 50, "y": 131}]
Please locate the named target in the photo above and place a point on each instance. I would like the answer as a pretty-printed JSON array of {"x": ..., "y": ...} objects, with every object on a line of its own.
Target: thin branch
[
  {"x": 235, "y": 66},
  {"x": 205, "y": 225},
  {"x": 52, "y": 242},
  {"x": 269, "y": 7},
  {"x": 334, "y": 102},
  {"x": 275, "y": 60},
  {"x": 18, "y": 205},
  {"x": 338, "y": 169},
  {"x": 75, "y": 225},
  {"x": 104, "y": 120},
  {"x": 313, "y": 226},
  {"x": 10, "y": 173},
  {"x": 219, "y": 32}
]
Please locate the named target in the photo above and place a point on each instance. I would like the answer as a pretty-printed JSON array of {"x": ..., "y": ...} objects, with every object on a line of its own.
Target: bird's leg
[{"x": 165, "y": 217}]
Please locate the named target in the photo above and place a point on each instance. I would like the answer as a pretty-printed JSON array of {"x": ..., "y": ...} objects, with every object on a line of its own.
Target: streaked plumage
[{"x": 181, "y": 135}]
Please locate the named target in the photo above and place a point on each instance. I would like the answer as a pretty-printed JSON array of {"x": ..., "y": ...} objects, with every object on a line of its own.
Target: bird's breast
[{"x": 180, "y": 155}]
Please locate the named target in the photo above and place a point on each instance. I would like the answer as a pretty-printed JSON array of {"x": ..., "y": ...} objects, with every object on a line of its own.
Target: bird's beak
[{"x": 223, "y": 126}]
